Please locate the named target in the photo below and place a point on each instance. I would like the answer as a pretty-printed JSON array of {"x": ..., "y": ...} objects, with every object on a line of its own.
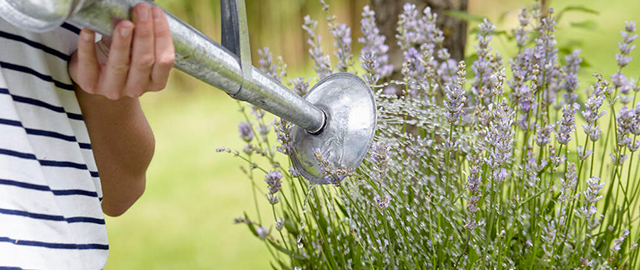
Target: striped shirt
[{"x": 50, "y": 193}]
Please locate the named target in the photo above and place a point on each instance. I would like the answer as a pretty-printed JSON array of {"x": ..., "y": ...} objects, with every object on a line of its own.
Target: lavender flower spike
[
  {"x": 322, "y": 63},
  {"x": 245, "y": 131},
  {"x": 473, "y": 184},
  {"x": 456, "y": 96},
  {"x": 567, "y": 124},
  {"x": 342, "y": 34},
  {"x": 571, "y": 78},
  {"x": 374, "y": 45},
  {"x": 482, "y": 66},
  {"x": 521, "y": 32},
  {"x": 273, "y": 180}
]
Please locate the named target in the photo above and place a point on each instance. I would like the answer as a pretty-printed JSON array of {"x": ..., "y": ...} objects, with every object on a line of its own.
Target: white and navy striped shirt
[{"x": 50, "y": 193}]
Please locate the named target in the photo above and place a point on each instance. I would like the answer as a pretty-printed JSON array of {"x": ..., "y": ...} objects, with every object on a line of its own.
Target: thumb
[{"x": 83, "y": 65}]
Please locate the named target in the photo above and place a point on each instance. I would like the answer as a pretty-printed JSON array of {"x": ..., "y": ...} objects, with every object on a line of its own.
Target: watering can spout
[{"x": 337, "y": 117}]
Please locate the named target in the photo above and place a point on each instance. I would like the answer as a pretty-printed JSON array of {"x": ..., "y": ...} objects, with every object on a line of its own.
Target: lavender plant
[{"x": 489, "y": 173}]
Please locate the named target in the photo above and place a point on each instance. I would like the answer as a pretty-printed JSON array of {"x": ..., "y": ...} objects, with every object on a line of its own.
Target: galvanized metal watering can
[{"x": 337, "y": 117}]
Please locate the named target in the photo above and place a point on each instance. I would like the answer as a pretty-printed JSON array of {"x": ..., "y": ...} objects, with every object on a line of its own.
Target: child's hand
[{"x": 134, "y": 61}]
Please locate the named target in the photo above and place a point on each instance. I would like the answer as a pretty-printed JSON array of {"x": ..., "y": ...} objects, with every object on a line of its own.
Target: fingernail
[
  {"x": 157, "y": 13},
  {"x": 143, "y": 13},
  {"x": 86, "y": 36},
  {"x": 125, "y": 31}
]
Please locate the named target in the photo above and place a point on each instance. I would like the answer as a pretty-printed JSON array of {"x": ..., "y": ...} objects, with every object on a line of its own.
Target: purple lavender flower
[
  {"x": 342, "y": 35},
  {"x": 283, "y": 134},
  {"x": 544, "y": 135},
  {"x": 474, "y": 183},
  {"x": 617, "y": 243},
  {"x": 556, "y": 159},
  {"x": 272, "y": 198},
  {"x": 482, "y": 67},
  {"x": 617, "y": 159},
  {"x": 455, "y": 96},
  {"x": 593, "y": 188},
  {"x": 628, "y": 36},
  {"x": 322, "y": 62},
  {"x": 521, "y": 33},
  {"x": 300, "y": 86},
  {"x": 567, "y": 124},
  {"x": 571, "y": 78},
  {"x": 568, "y": 183},
  {"x": 293, "y": 171},
  {"x": 408, "y": 27},
  {"x": 626, "y": 119},
  {"x": 280, "y": 224},
  {"x": 245, "y": 131},
  {"x": 380, "y": 160},
  {"x": 447, "y": 72},
  {"x": 592, "y": 196},
  {"x": 273, "y": 180},
  {"x": 262, "y": 232},
  {"x": 369, "y": 64},
  {"x": 374, "y": 46},
  {"x": 622, "y": 83},
  {"x": 500, "y": 135},
  {"x": 545, "y": 54},
  {"x": 582, "y": 153},
  {"x": 414, "y": 29},
  {"x": 382, "y": 202},
  {"x": 257, "y": 111},
  {"x": 635, "y": 128},
  {"x": 592, "y": 111},
  {"x": 266, "y": 62},
  {"x": 390, "y": 90}
]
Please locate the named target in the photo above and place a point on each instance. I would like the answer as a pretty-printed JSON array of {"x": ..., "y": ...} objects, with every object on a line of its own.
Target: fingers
[
  {"x": 83, "y": 67},
  {"x": 143, "y": 51},
  {"x": 138, "y": 59},
  {"x": 114, "y": 77},
  {"x": 164, "y": 50}
]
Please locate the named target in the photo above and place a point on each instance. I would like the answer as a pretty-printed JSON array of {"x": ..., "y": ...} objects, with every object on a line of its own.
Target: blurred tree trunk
[{"x": 454, "y": 29}]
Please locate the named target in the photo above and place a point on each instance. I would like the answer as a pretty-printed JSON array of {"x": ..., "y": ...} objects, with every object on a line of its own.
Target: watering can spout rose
[{"x": 334, "y": 123}]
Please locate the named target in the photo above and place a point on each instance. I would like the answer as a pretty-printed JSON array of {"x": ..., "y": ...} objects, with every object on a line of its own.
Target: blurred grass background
[{"x": 184, "y": 220}]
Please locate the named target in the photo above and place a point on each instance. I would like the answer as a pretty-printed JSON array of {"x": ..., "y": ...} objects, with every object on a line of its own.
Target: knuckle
[
  {"x": 112, "y": 95},
  {"x": 158, "y": 86},
  {"x": 88, "y": 87},
  {"x": 145, "y": 61},
  {"x": 135, "y": 92},
  {"x": 167, "y": 60}
]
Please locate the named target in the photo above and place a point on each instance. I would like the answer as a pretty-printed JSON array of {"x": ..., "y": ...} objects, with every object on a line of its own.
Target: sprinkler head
[{"x": 346, "y": 137}]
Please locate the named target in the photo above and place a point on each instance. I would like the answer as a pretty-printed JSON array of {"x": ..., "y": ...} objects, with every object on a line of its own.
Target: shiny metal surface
[
  {"x": 340, "y": 108},
  {"x": 37, "y": 15},
  {"x": 351, "y": 124}
]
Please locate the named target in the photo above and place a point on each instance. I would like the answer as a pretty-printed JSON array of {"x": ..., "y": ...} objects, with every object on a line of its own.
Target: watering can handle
[
  {"x": 235, "y": 32},
  {"x": 230, "y": 26}
]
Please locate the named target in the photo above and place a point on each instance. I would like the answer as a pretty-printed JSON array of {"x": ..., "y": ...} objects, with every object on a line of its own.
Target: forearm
[
  {"x": 123, "y": 145},
  {"x": 138, "y": 59}
]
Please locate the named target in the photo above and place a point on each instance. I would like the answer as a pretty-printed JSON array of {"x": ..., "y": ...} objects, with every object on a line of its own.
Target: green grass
[{"x": 184, "y": 219}]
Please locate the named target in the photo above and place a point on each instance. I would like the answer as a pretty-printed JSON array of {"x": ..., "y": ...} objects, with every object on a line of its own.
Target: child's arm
[{"x": 109, "y": 84}]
